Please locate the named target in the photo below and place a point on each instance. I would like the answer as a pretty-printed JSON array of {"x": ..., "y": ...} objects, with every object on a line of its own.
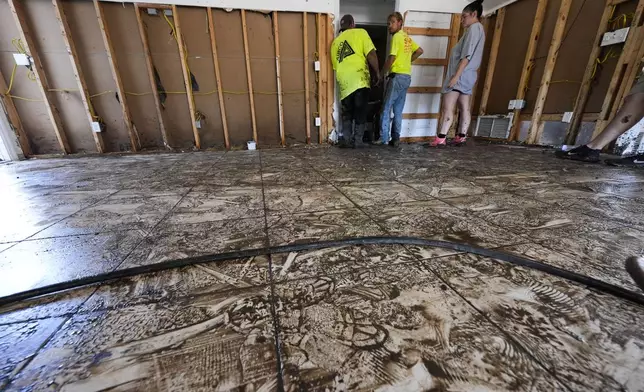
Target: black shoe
[
  {"x": 632, "y": 161},
  {"x": 394, "y": 143},
  {"x": 581, "y": 153}
]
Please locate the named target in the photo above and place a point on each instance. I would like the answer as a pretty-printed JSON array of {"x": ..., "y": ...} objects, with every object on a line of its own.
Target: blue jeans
[{"x": 394, "y": 99}]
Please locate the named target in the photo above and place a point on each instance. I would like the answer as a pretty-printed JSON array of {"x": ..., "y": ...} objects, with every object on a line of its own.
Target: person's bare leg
[
  {"x": 447, "y": 114},
  {"x": 626, "y": 118},
  {"x": 464, "y": 114}
]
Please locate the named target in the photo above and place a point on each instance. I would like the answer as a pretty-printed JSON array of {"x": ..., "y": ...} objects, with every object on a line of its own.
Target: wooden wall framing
[{"x": 151, "y": 92}]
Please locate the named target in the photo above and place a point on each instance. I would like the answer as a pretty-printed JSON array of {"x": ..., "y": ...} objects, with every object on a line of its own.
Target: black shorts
[{"x": 355, "y": 106}]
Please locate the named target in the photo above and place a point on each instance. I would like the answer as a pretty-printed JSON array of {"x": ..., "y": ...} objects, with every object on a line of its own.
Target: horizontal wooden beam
[
  {"x": 428, "y": 31},
  {"x": 586, "y": 117},
  {"x": 617, "y": 2},
  {"x": 442, "y": 62},
  {"x": 425, "y": 90},
  {"x": 418, "y": 139},
  {"x": 419, "y": 116},
  {"x": 155, "y": 6}
]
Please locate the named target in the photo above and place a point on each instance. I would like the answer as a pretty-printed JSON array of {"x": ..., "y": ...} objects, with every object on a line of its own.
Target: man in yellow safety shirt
[
  {"x": 350, "y": 52},
  {"x": 398, "y": 70}
]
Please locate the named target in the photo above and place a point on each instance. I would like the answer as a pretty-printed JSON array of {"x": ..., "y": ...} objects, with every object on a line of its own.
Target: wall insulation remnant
[
  {"x": 120, "y": 20},
  {"x": 194, "y": 29},
  {"x": 230, "y": 47},
  {"x": 512, "y": 51}
]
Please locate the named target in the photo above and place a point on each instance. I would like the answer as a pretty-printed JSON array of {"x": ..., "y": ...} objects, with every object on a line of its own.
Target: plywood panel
[
  {"x": 194, "y": 28},
  {"x": 33, "y": 115},
  {"x": 426, "y": 76},
  {"x": 230, "y": 48},
  {"x": 130, "y": 57},
  {"x": 422, "y": 103},
  {"x": 292, "y": 72},
  {"x": 573, "y": 56},
  {"x": 312, "y": 34},
  {"x": 165, "y": 56},
  {"x": 489, "y": 38},
  {"x": 419, "y": 127},
  {"x": 81, "y": 17},
  {"x": 428, "y": 20},
  {"x": 549, "y": 23},
  {"x": 261, "y": 45},
  {"x": 519, "y": 17},
  {"x": 56, "y": 63},
  {"x": 433, "y": 47}
]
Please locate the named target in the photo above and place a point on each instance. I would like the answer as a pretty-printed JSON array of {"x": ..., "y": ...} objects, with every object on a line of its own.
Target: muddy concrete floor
[{"x": 348, "y": 318}]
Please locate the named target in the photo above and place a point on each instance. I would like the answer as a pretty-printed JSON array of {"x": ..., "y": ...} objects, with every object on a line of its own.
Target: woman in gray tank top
[{"x": 464, "y": 62}]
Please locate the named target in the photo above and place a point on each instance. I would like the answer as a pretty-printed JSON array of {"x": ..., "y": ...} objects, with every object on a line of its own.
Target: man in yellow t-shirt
[
  {"x": 350, "y": 52},
  {"x": 398, "y": 70}
]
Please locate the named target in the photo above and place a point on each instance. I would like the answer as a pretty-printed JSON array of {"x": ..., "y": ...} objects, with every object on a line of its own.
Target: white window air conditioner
[{"x": 494, "y": 127}]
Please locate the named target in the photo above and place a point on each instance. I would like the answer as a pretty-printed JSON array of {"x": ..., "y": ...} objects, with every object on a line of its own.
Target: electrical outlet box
[
  {"x": 317, "y": 66},
  {"x": 97, "y": 127},
  {"x": 152, "y": 11},
  {"x": 615, "y": 37},
  {"x": 318, "y": 122},
  {"x": 21, "y": 59},
  {"x": 167, "y": 12},
  {"x": 567, "y": 117},
  {"x": 519, "y": 104},
  {"x": 512, "y": 104},
  {"x": 198, "y": 124}
]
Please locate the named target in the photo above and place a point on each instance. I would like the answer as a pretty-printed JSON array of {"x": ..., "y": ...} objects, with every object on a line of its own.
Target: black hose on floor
[{"x": 170, "y": 264}]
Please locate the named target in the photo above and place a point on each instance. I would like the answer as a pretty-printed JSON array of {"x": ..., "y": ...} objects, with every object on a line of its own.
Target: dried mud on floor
[{"x": 348, "y": 318}]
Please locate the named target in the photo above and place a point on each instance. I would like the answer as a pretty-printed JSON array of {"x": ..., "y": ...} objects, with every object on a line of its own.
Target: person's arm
[
  {"x": 388, "y": 63},
  {"x": 417, "y": 53},
  {"x": 372, "y": 59},
  {"x": 459, "y": 71}
]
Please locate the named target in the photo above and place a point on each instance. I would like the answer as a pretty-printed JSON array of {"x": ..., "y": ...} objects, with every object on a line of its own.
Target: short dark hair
[
  {"x": 476, "y": 5},
  {"x": 396, "y": 15},
  {"x": 346, "y": 22}
]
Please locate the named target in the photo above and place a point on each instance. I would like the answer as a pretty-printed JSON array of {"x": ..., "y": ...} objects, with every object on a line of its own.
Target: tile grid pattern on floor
[{"x": 318, "y": 194}]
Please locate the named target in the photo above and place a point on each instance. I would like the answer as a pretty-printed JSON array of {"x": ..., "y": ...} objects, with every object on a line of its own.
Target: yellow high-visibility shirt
[
  {"x": 402, "y": 46},
  {"x": 349, "y": 57}
]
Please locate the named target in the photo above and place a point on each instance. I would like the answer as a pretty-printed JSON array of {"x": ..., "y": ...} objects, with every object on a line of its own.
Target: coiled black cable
[{"x": 299, "y": 247}]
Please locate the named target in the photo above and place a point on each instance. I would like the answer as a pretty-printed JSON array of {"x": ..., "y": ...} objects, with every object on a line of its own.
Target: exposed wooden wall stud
[
  {"x": 494, "y": 51},
  {"x": 78, "y": 75},
  {"x": 249, "y": 76},
  {"x": 111, "y": 59},
  {"x": 280, "y": 97},
  {"x": 330, "y": 93},
  {"x": 536, "y": 129},
  {"x": 18, "y": 13},
  {"x": 584, "y": 90},
  {"x": 528, "y": 64},
  {"x": 611, "y": 101},
  {"x": 307, "y": 97},
  {"x": 186, "y": 77},
  {"x": 151, "y": 78},
  {"x": 321, "y": 33},
  {"x": 14, "y": 118},
  {"x": 220, "y": 93}
]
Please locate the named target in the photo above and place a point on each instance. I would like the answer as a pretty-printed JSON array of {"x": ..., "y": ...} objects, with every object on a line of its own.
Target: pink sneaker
[
  {"x": 438, "y": 142},
  {"x": 459, "y": 141}
]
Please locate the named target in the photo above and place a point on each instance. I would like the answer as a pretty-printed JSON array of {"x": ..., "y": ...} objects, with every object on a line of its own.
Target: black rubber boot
[
  {"x": 358, "y": 136},
  {"x": 345, "y": 141}
]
